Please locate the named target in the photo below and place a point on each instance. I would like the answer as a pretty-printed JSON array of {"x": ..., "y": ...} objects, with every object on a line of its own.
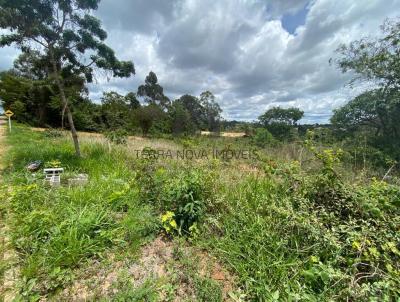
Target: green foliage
[
  {"x": 328, "y": 157},
  {"x": 207, "y": 290},
  {"x": 186, "y": 195},
  {"x": 147, "y": 291},
  {"x": 374, "y": 112},
  {"x": 118, "y": 137},
  {"x": 62, "y": 34},
  {"x": 297, "y": 236},
  {"x": 148, "y": 116},
  {"x": 115, "y": 110},
  {"x": 212, "y": 111},
  {"x": 374, "y": 59},
  {"x": 53, "y": 133},
  {"x": 280, "y": 122},
  {"x": 196, "y": 111},
  {"x": 286, "y": 231},
  {"x": 204, "y": 111},
  {"x": 289, "y": 116},
  {"x": 181, "y": 122},
  {"x": 182, "y": 196},
  {"x": 41, "y": 22},
  {"x": 153, "y": 92},
  {"x": 55, "y": 230},
  {"x": 53, "y": 164},
  {"x": 262, "y": 137}
]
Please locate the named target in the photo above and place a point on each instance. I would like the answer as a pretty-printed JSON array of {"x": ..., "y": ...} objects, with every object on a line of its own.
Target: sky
[{"x": 251, "y": 54}]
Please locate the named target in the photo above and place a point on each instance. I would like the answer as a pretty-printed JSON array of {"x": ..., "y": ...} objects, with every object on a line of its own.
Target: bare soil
[{"x": 157, "y": 261}]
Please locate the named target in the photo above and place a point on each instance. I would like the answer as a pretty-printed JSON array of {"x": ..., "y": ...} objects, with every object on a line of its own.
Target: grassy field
[{"x": 289, "y": 223}]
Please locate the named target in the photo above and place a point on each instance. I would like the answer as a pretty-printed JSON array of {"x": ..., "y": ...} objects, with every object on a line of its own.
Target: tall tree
[
  {"x": 180, "y": 119},
  {"x": 132, "y": 100},
  {"x": 377, "y": 111},
  {"x": 196, "y": 110},
  {"x": 67, "y": 37},
  {"x": 152, "y": 92},
  {"x": 289, "y": 116},
  {"x": 212, "y": 110},
  {"x": 147, "y": 116},
  {"x": 115, "y": 110},
  {"x": 377, "y": 59},
  {"x": 280, "y": 121}
]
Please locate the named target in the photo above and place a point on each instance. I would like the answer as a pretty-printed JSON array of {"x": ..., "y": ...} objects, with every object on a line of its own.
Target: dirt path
[{"x": 8, "y": 279}]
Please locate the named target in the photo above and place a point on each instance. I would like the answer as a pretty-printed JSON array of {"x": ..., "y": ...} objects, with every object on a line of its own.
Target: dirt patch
[
  {"x": 224, "y": 134},
  {"x": 8, "y": 255},
  {"x": 169, "y": 264}
]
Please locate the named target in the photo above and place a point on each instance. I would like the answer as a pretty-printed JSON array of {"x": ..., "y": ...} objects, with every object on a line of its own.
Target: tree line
[
  {"x": 62, "y": 45},
  {"x": 36, "y": 102},
  {"x": 373, "y": 116},
  {"x": 62, "y": 49}
]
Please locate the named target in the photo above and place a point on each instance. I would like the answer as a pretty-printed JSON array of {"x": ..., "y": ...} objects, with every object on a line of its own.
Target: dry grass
[
  {"x": 224, "y": 134},
  {"x": 158, "y": 262},
  {"x": 8, "y": 279}
]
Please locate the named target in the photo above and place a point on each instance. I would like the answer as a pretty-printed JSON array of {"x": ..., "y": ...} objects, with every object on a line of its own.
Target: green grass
[
  {"x": 286, "y": 232},
  {"x": 53, "y": 230},
  {"x": 287, "y": 241}
]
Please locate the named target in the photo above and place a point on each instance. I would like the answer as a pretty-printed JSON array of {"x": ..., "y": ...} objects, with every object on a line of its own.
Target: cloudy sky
[{"x": 252, "y": 54}]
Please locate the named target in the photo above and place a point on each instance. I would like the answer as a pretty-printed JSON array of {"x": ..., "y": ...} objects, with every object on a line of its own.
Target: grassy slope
[
  {"x": 55, "y": 229},
  {"x": 286, "y": 233}
]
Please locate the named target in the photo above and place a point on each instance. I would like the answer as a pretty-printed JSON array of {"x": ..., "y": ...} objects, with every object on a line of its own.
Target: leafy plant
[
  {"x": 185, "y": 195},
  {"x": 118, "y": 137},
  {"x": 55, "y": 163},
  {"x": 53, "y": 133}
]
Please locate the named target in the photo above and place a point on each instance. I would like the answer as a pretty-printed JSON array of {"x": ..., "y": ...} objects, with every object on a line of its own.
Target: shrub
[
  {"x": 53, "y": 133},
  {"x": 118, "y": 137},
  {"x": 185, "y": 195},
  {"x": 262, "y": 137}
]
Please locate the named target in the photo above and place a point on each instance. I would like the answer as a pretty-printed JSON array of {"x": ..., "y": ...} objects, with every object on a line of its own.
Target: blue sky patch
[{"x": 291, "y": 21}]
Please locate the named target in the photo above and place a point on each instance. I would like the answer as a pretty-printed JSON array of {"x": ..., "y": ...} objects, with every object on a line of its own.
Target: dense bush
[
  {"x": 182, "y": 195},
  {"x": 313, "y": 237},
  {"x": 262, "y": 137},
  {"x": 118, "y": 137}
]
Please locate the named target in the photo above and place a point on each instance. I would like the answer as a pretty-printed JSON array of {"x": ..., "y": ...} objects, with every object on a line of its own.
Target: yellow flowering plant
[{"x": 168, "y": 222}]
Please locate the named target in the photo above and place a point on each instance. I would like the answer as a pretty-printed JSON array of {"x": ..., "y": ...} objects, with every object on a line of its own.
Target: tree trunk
[{"x": 67, "y": 110}]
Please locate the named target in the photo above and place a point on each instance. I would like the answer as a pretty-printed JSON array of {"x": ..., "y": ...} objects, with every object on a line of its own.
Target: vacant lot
[{"x": 290, "y": 223}]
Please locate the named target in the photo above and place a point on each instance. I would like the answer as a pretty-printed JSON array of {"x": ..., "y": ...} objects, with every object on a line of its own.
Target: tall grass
[
  {"x": 289, "y": 227},
  {"x": 295, "y": 236},
  {"x": 55, "y": 229}
]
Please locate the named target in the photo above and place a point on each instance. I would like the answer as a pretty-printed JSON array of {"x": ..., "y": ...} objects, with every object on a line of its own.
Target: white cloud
[{"x": 239, "y": 50}]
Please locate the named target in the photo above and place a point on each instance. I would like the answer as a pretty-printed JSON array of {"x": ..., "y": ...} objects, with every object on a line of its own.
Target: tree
[
  {"x": 212, "y": 110},
  {"x": 377, "y": 111},
  {"x": 376, "y": 59},
  {"x": 132, "y": 101},
  {"x": 262, "y": 137},
  {"x": 289, "y": 116},
  {"x": 69, "y": 42},
  {"x": 280, "y": 122},
  {"x": 43, "y": 102},
  {"x": 195, "y": 109},
  {"x": 14, "y": 92},
  {"x": 115, "y": 110},
  {"x": 153, "y": 93},
  {"x": 180, "y": 118},
  {"x": 87, "y": 115},
  {"x": 146, "y": 116}
]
